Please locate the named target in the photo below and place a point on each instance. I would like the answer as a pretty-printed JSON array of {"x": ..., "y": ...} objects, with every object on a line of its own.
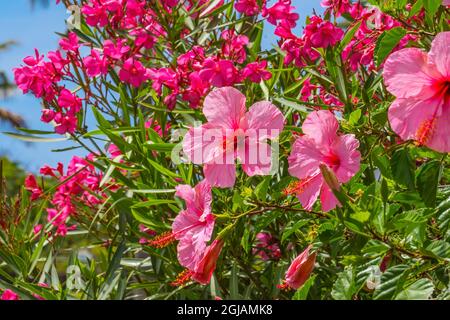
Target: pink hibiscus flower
[
  {"x": 421, "y": 83},
  {"x": 193, "y": 227},
  {"x": 321, "y": 145},
  {"x": 232, "y": 133}
]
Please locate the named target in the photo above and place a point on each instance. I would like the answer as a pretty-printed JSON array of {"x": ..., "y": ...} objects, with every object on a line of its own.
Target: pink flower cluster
[
  {"x": 196, "y": 73},
  {"x": 267, "y": 247},
  {"x": 360, "y": 50},
  {"x": 42, "y": 78},
  {"x": 318, "y": 33},
  {"x": 80, "y": 184}
]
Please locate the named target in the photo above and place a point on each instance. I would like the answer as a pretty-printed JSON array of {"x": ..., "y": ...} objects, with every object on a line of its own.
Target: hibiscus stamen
[
  {"x": 425, "y": 131},
  {"x": 284, "y": 286},
  {"x": 162, "y": 240},
  {"x": 298, "y": 187},
  {"x": 182, "y": 278}
]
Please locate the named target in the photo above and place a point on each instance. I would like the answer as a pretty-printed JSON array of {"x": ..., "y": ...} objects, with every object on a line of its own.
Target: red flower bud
[
  {"x": 300, "y": 269},
  {"x": 205, "y": 267}
]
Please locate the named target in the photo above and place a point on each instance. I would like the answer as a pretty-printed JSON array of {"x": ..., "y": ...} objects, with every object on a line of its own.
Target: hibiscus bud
[
  {"x": 205, "y": 267},
  {"x": 300, "y": 269},
  {"x": 330, "y": 178}
]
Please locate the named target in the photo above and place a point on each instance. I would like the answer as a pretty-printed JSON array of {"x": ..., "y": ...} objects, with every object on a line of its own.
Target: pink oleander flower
[
  {"x": 446, "y": 2},
  {"x": 193, "y": 226},
  {"x": 133, "y": 72},
  {"x": 80, "y": 184},
  {"x": 219, "y": 73},
  {"x": 204, "y": 268},
  {"x": 9, "y": 295},
  {"x": 115, "y": 51},
  {"x": 256, "y": 72},
  {"x": 232, "y": 133},
  {"x": 323, "y": 34},
  {"x": 68, "y": 100},
  {"x": 71, "y": 43},
  {"x": 281, "y": 11},
  {"x": 267, "y": 247},
  {"x": 32, "y": 186},
  {"x": 66, "y": 123},
  {"x": 95, "y": 14},
  {"x": 321, "y": 145},
  {"x": 247, "y": 7},
  {"x": 338, "y": 7},
  {"x": 421, "y": 83},
  {"x": 95, "y": 64},
  {"x": 307, "y": 90},
  {"x": 234, "y": 46},
  {"x": 300, "y": 270},
  {"x": 38, "y": 76},
  {"x": 37, "y": 229},
  {"x": 47, "y": 115}
]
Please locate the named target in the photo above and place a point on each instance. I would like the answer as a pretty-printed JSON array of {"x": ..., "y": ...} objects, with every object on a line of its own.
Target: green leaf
[
  {"x": 439, "y": 249},
  {"x": 422, "y": 289},
  {"x": 290, "y": 230},
  {"x": 30, "y": 138},
  {"x": 403, "y": 168},
  {"x": 163, "y": 170},
  {"x": 387, "y": 42},
  {"x": 261, "y": 188},
  {"x": 160, "y": 147},
  {"x": 344, "y": 288},
  {"x": 234, "y": 289},
  {"x": 354, "y": 117},
  {"x": 302, "y": 292},
  {"x": 427, "y": 181},
  {"x": 152, "y": 202},
  {"x": 431, "y": 7},
  {"x": 349, "y": 35},
  {"x": 392, "y": 281}
]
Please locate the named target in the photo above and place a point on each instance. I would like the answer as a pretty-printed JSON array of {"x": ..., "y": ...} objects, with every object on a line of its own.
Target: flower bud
[
  {"x": 205, "y": 267},
  {"x": 330, "y": 178},
  {"x": 300, "y": 269}
]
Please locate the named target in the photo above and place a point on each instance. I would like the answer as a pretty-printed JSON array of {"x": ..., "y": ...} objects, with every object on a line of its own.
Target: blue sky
[{"x": 36, "y": 29}]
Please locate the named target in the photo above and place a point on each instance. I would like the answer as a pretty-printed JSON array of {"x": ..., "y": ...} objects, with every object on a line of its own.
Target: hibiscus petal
[
  {"x": 224, "y": 107},
  {"x": 257, "y": 159},
  {"x": 203, "y": 144},
  {"x": 189, "y": 254},
  {"x": 220, "y": 175},
  {"x": 440, "y": 140},
  {"x": 345, "y": 147},
  {"x": 185, "y": 192},
  {"x": 407, "y": 74},
  {"x": 264, "y": 116},
  {"x": 327, "y": 199},
  {"x": 407, "y": 116},
  {"x": 440, "y": 53},
  {"x": 203, "y": 199},
  {"x": 321, "y": 126},
  {"x": 305, "y": 158},
  {"x": 183, "y": 223},
  {"x": 310, "y": 192}
]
